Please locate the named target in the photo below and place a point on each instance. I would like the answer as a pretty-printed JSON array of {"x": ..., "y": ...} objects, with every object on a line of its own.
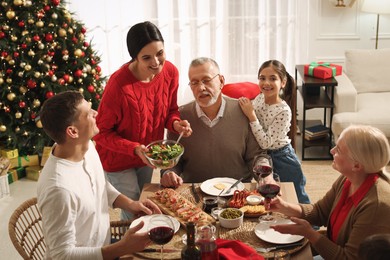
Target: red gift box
[{"x": 322, "y": 70}]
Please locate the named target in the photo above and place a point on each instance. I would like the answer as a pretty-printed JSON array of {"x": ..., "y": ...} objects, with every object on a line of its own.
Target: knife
[
  {"x": 164, "y": 250},
  {"x": 196, "y": 196},
  {"x": 234, "y": 185}
]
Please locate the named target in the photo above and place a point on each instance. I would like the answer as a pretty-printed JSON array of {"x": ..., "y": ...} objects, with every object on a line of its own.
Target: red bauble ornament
[
  {"x": 93, "y": 62},
  {"x": 65, "y": 25},
  {"x": 16, "y": 54},
  {"x": 23, "y": 45},
  {"x": 49, "y": 94},
  {"x": 86, "y": 44},
  {"x": 50, "y": 73},
  {"x": 49, "y": 37},
  {"x": 51, "y": 53},
  {"x": 97, "y": 77},
  {"x": 97, "y": 96},
  {"x": 41, "y": 14},
  {"x": 31, "y": 83},
  {"x": 90, "y": 89},
  {"x": 98, "y": 69},
  {"x": 66, "y": 77},
  {"x": 83, "y": 30},
  {"x": 78, "y": 73},
  {"x": 4, "y": 54},
  {"x": 7, "y": 109},
  {"x": 55, "y": 2},
  {"x": 9, "y": 71},
  {"x": 46, "y": 8},
  {"x": 2, "y": 35},
  {"x": 75, "y": 40},
  {"x": 21, "y": 24},
  {"x": 22, "y": 104},
  {"x": 61, "y": 81},
  {"x": 33, "y": 115},
  {"x": 36, "y": 37}
]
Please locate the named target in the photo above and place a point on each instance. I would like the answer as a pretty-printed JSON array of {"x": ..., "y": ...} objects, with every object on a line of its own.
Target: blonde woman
[{"x": 357, "y": 205}]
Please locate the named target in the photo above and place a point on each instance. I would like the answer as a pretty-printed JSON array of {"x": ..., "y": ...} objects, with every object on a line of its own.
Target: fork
[{"x": 269, "y": 249}]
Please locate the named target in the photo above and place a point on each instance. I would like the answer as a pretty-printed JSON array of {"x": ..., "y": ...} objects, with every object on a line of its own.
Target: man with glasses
[{"x": 222, "y": 144}]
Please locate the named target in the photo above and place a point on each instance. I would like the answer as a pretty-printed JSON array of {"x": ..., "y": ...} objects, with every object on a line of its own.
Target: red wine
[
  {"x": 209, "y": 203},
  {"x": 208, "y": 249},
  {"x": 263, "y": 170},
  {"x": 191, "y": 251},
  {"x": 161, "y": 235},
  {"x": 269, "y": 191}
]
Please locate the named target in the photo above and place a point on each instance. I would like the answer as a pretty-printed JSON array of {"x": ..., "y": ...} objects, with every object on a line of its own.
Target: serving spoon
[{"x": 180, "y": 136}]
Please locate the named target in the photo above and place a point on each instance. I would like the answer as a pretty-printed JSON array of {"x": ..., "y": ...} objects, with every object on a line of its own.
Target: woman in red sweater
[{"x": 139, "y": 102}]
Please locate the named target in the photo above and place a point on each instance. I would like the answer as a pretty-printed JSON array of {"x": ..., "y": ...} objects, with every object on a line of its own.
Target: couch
[{"x": 363, "y": 92}]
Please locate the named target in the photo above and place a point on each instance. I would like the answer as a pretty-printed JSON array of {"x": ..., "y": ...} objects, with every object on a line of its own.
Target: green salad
[{"x": 164, "y": 152}]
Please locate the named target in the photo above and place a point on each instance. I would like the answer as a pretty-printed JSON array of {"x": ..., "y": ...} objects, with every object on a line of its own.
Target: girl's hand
[{"x": 247, "y": 108}]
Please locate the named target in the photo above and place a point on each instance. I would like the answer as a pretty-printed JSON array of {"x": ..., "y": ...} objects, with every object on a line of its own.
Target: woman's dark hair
[
  {"x": 288, "y": 93},
  {"x": 140, "y": 35},
  {"x": 59, "y": 112}
]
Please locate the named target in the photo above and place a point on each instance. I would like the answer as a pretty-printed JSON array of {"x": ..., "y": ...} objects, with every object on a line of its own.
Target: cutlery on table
[
  {"x": 268, "y": 249},
  {"x": 158, "y": 250},
  {"x": 234, "y": 185},
  {"x": 194, "y": 193}
]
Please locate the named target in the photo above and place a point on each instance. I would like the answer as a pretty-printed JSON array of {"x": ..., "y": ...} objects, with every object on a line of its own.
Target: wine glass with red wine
[
  {"x": 161, "y": 230},
  {"x": 262, "y": 165},
  {"x": 268, "y": 187}
]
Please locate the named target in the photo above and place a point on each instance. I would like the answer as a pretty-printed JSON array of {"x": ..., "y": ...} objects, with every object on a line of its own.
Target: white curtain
[{"x": 238, "y": 34}]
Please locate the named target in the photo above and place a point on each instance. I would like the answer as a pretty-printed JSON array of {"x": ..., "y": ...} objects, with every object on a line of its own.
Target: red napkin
[{"x": 237, "y": 250}]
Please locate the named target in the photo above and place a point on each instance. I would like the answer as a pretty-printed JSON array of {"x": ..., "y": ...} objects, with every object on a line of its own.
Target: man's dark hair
[{"x": 59, "y": 112}]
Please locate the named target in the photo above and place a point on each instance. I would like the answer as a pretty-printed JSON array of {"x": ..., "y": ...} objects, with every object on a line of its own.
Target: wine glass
[
  {"x": 268, "y": 187},
  {"x": 161, "y": 230},
  {"x": 262, "y": 165}
]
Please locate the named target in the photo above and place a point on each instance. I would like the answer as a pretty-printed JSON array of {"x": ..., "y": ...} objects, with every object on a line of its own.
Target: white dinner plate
[
  {"x": 146, "y": 222},
  {"x": 264, "y": 232},
  {"x": 208, "y": 186}
]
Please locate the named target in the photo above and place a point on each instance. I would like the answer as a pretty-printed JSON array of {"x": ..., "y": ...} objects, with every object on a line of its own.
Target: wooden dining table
[{"x": 287, "y": 192}]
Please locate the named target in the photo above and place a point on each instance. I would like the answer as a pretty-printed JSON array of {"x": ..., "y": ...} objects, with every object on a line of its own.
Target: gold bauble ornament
[
  {"x": 23, "y": 89},
  {"x": 17, "y": 129},
  {"x": 11, "y": 62},
  {"x": 21, "y": 74},
  {"x": 4, "y": 4},
  {"x": 11, "y": 96},
  {"x": 78, "y": 53},
  {"x": 3, "y": 128},
  {"x": 14, "y": 38},
  {"x": 18, "y": 115},
  {"x": 9, "y": 80},
  {"x": 81, "y": 37},
  {"x": 37, "y": 74},
  {"x": 31, "y": 53},
  {"x": 39, "y": 124},
  {"x": 81, "y": 90},
  {"x": 41, "y": 46},
  {"x": 27, "y": 67},
  {"x": 5, "y": 27},
  {"x": 28, "y": 3},
  {"x": 70, "y": 30},
  {"x": 30, "y": 21},
  {"x": 42, "y": 85},
  {"x": 1, "y": 81},
  {"x": 36, "y": 103},
  {"x": 39, "y": 24},
  {"x": 62, "y": 32},
  {"x": 54, "y": 16},
  {"x": 25, "y": 33},
  {"x": 10, "y": 14},
  {"x": 18, "y": 2},
  {"x": 70, "y": 79}
]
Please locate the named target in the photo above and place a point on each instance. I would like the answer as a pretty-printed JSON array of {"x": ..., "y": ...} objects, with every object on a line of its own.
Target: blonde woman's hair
[{"x": 367, "y": 145}]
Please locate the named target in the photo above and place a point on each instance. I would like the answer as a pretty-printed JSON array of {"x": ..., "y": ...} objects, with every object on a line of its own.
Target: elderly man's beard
[{"x": 211, "y": 102}]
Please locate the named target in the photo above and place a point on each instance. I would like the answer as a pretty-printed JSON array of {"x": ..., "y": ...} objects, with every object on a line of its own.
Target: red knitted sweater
[{"x": 132, "y": 113}]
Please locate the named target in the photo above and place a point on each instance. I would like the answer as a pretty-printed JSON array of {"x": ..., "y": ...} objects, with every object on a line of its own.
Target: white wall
[{"x": 332, "y": 30}]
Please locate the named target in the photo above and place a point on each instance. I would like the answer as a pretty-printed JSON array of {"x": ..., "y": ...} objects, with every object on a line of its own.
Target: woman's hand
[
  {"x": 301, "y": 228},
  {"x": 140, "y": 150},
  {"x": 182, "y": 126},
  {"x": 247, "y": 108},
  {"x": 171, "y": 179}
]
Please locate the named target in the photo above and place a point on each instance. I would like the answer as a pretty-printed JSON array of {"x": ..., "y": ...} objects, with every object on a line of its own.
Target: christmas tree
[{"x": 43, "y": 52}]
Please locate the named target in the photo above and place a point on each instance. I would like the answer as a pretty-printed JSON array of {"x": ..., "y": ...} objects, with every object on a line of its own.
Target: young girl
[{"x": 270, "y": 119}]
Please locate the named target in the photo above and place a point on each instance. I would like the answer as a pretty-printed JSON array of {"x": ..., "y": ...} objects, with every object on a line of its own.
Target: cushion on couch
[
  {"x": 374, "y": 76},
  {"x": 241, "y": 89}
]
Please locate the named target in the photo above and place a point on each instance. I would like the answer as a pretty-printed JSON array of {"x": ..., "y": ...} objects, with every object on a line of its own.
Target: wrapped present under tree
[{"x": 322, "y": 70}]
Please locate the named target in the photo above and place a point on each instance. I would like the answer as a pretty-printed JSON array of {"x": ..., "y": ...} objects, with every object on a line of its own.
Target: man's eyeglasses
[{"x": 205, "y": 82}]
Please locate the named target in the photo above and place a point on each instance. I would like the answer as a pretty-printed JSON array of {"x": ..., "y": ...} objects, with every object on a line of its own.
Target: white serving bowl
[
  {"x": 254, "y": 199},
  {"x": 167, "y": 162},
  {"x": 231, "y": 223}
]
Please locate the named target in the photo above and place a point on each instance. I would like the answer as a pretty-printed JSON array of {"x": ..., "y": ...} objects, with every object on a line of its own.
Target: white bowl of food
[
  {"x": 231, "y": 218},
  {"x": 254, "y": 199},
  {"x": 164, "y": 154}
]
